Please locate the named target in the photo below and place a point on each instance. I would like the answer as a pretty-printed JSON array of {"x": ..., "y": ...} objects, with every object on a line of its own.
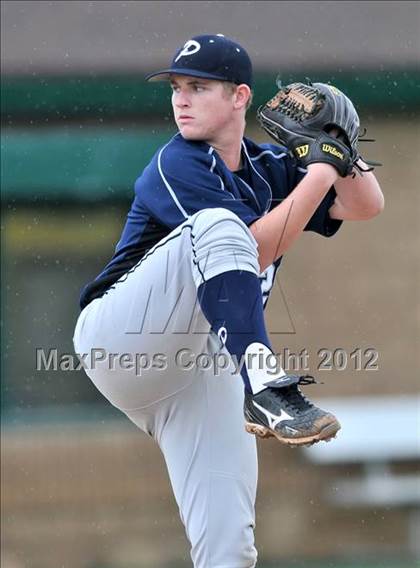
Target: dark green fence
[{"x": 62, "y": 97}]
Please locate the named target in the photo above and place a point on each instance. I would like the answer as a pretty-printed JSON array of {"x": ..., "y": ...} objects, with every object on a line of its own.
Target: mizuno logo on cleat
[
  {"x": 280, "y": 380},
  {"x": 290, "y": 430},
  {"x": 273, "y": 420}
]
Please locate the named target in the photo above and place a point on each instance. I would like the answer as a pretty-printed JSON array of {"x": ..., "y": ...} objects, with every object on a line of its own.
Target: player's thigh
[{"x": 144, "y": 331}]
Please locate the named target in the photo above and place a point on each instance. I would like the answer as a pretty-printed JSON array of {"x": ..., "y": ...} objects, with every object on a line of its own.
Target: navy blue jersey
[{"x": 184, "y": 177}]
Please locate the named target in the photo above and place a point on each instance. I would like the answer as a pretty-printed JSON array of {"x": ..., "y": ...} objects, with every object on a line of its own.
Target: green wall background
[{"x": 90, "y": 137}]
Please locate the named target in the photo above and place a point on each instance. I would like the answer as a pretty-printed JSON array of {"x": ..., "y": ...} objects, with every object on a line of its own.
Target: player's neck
[
  {"x": 231, "y": 157},
  {"x": 229, "y": 149},
  {"x": 228, "y": 143}
]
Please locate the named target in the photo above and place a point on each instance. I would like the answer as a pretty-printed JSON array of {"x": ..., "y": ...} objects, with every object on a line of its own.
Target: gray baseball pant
[{"x": 195, "y": 414}]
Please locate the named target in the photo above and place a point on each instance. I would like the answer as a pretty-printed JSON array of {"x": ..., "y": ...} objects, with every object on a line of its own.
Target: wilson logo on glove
[
  {"x": 328, "y": 149},
  {"x": 302, "y": 151}
]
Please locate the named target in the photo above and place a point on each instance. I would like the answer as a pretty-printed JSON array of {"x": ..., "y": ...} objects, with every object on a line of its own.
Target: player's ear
[{"x": 242, "y": 95}]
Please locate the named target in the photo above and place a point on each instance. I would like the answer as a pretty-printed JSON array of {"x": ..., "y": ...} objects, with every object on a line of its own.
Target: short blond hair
[{"x": 230, "y": 88}]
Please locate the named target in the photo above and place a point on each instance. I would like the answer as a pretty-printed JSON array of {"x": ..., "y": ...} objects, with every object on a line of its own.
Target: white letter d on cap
[{"x": 189, "y": 48}]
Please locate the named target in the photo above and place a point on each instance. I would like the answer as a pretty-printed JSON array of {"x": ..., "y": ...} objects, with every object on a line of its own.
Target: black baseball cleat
[{"x": 282, "y": 411}]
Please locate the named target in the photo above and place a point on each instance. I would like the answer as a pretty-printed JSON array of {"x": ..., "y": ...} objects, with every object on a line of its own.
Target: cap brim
[{"x": 164, "y": 74}]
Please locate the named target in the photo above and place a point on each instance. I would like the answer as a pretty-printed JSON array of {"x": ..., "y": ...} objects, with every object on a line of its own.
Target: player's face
[{"x": 202, "y": 107}]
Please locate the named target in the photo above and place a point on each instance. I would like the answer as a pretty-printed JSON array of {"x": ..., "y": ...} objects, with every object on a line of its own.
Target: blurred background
[{"x": 81, "y": 487}]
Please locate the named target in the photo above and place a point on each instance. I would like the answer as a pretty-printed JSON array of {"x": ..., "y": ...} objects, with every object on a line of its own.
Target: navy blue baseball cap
[{"x": 210, "y": 57}]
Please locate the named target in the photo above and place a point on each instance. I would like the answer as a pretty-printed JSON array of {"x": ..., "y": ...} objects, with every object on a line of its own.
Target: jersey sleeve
[
  {"x": 177, "y": 184},
  {"x": 321, "y": 222},
  {"x": 292, "y": 174}
]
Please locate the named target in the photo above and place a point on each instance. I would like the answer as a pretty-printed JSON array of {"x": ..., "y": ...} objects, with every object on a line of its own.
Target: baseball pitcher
[{"x": 178, "y": 312}]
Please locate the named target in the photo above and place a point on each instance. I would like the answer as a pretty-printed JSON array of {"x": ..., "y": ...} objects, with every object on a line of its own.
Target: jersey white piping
[
  {"x": 213, "y": 165},
  {"x": 168, "y": 187},
  {"x": 259, "y": 175},
  {"x": 277, "y": 156},
  {"x": 250, "y": 190}
]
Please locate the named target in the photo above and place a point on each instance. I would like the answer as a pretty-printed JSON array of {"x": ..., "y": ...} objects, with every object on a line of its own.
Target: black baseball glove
[{"x": 316, "y": 122}]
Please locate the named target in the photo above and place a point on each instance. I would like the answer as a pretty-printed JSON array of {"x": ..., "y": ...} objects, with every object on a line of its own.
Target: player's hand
[{"x": 325, "y": 149}]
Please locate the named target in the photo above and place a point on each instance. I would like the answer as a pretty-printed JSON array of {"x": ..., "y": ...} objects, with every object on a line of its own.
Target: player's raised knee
[
  {"x": 221, "y": 242},
  {"x": 223, "y": 224}
]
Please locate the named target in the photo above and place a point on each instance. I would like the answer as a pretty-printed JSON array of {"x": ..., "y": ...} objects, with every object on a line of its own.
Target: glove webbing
[{"x": 298, "y": 103}]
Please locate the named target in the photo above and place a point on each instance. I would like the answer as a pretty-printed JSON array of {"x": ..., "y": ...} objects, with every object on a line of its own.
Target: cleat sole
[{"x": 325, "y": 435}]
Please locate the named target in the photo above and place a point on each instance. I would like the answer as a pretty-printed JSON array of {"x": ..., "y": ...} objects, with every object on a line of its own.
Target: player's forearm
[
  {"x": 277, "y": 231},
  {"x": 359, "y": 198}
]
